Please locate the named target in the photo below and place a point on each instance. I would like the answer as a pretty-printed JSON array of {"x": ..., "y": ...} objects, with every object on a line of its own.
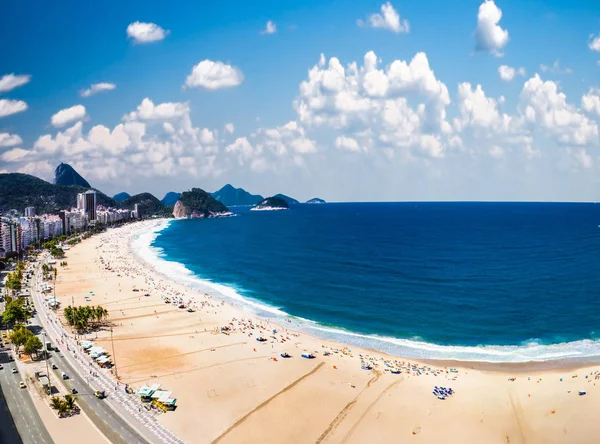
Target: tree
[
  {"x": 57, "y": 252},
  {"x": 33, "y": 345},
  {"x": 55, "y": 402},
  {"x": 70, "y": 401},
  {"x": 14, "y": 312}
]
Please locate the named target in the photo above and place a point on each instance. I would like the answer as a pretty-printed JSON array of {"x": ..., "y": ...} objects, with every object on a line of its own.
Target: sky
[{"x": 347, "y": 101}]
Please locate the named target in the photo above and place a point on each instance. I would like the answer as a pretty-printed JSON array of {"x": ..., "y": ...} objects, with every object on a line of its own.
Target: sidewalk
[{"x": 125, "y": 405}]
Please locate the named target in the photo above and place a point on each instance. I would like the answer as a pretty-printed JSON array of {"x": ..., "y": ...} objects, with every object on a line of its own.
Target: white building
[
  {"x": 81, "y": 201},
  {"x": 30, "y": 212}
]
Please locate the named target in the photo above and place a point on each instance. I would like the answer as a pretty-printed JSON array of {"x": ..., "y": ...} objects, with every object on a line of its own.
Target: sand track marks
[{"x": 265, "y": 403}]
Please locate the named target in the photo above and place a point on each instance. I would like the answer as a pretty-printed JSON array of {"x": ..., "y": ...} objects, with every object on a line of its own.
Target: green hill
[
  {"x": 197, "y": 203},
  {"x": 147, "y": 204},
  {"x": 18, "y": 191}
]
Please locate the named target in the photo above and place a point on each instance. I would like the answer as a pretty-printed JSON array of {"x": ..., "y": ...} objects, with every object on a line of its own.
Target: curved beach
[{"x": 232, "y": 388}]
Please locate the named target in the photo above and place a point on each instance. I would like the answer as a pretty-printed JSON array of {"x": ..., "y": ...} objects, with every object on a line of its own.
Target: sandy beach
[{"x": 232, "y": 388}]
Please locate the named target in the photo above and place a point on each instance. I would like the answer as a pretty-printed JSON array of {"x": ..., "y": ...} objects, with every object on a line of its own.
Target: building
[
  {"x": 11, "y": 237},
  {"x": 137, "y": 211},
  {"x": 81, "y": 201},
  {"x": 90, "y": 205},
  {"x": 30, "y": 212}
]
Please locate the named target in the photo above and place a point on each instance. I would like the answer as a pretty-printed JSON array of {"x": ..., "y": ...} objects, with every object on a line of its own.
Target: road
[
  {"x": 104, "y": 416},
  {"x": 24, "y": 415}
]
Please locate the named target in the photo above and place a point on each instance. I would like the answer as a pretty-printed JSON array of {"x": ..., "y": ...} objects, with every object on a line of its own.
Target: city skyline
[{"x": 374, "y": 101}]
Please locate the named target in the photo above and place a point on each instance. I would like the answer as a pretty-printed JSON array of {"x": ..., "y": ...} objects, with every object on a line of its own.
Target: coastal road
[
  {"x": 111, "y": 423},
  {"x": 24, "y": 415}
]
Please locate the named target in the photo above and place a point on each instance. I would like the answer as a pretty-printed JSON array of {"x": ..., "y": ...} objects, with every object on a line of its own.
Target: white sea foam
[{"x": 530, "y": 350}]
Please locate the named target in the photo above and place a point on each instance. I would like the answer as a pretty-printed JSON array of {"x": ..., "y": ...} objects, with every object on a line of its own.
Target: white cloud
[
  {"x": 214, "y": 75},
  {"x": 508, "y": 73},
  {"x": 97, "y": 88},
  {"x": 346, "y": 143},
  {"x": 8, "y": 107},
  {"x": 591, "y": 101},
  {"x": 7, "y": 139},
  {"x": 489, "y": 36},
  {"x": 163, "y": 111},
  {"x": 68, "y": 115},
  {"x": 387, "y": 19},
  {"x": 270, "y": 28},
  {"x": 544, "y": 105},
  {"x": 555, "y": 68},
  {"x": 372, "y": 105},
  {"x": 14, "y": 155},
  {"x": 594, "y": 43},
  {"x": 229, "y": 128},
  {"x": 145, "y": 32},
  {"x": 9, "y": 82}
]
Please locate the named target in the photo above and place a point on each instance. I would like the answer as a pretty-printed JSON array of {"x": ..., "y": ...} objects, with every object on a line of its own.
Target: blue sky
[{"x": 464, "y": 152}]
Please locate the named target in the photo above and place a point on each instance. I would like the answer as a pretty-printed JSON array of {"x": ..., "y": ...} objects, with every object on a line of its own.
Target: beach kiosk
[
  {"x": 162, "y": 399},
  {"x": 146, "y": 392}
]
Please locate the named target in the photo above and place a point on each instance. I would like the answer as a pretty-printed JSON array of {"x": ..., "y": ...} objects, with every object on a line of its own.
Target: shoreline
[
  {"x": 238, "y": 389},
  {"x": 389, "y": 346}
]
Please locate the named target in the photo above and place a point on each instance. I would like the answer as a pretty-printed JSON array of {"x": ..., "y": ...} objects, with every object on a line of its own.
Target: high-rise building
[
  {"x": 90, "y": 205},
  {"x": 137, "y": 211},
  {"x": 81, "y": 201},
  {"x": 30, "y": 212}
]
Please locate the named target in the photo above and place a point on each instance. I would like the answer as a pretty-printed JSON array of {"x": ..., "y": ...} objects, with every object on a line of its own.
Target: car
[
  {"x": 64, "y": 375},
  {"x": 54, "y": 367},
  {"x": 22, "y": 385},
  {"x": 1, "y": 368},
  {"x": 14, "y": 370},
  {"x": 73, "y": 391}
]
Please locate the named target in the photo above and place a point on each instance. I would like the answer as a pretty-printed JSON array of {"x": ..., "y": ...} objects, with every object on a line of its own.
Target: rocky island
[
  {"x": 315, "y": 200},
  {"x": 271, "y": 204},
  {"x": 198, "y": 204}
]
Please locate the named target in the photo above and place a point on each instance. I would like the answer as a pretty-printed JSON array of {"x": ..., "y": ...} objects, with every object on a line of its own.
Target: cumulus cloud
[
  {"x": 7, "y": 139},
  {"x": 163, "y": 111},
  {"x": 508, "y": 73},
  {"x": 214, "y": 75},
  {"x": 9, "y": 107},
  {"x": 9, "y": 82},
  {"x": 14, "y": 155},
  {"x": 346, "y": 143},
  {"x": 371, "y": 104},
  {"x": 142, "y": 32},
  {"x": 388, "y": 19},
  {"x": 97, "y": 88},
  {"x": 544, "y": 105},
  {"x": 489, "y": 36},
  {"x": 594, "y": 43},
  {"x": 68, "y": 115},
  {"x": 591, "y": 101},
  {"x": 229, "y": 128},
  {"x": 270, "y": 28}
]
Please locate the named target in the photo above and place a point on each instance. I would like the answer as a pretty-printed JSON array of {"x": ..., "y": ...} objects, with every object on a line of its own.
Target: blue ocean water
[{"x": 475, "y": 281}]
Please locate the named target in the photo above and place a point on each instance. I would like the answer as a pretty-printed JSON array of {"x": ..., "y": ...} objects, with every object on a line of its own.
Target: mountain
[
  {"x": 271, "y": 203},
  {"x": 170, "y": 198},
  {"x": 288, "y": 200},
  {"x": 315, "y": 200},
  {"x": 148, "y": 205},
  {"x": 198, "y": 204},
  {"x": 121, "y": 196},
  {"x": 231, "y": 196},
  {"x": 18, "y": 191},
  {"x": 65, "y": 174}
]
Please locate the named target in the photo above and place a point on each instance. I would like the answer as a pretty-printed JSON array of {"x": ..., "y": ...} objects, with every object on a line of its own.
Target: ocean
[{"x": 493, "y": 282}]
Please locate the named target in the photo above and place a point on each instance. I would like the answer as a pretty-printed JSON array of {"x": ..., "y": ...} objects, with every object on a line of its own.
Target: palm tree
[
  {"x": 62, "y": 409},
  {"x": 55, "y": 402},
  {"x": 70, "y": 401}
]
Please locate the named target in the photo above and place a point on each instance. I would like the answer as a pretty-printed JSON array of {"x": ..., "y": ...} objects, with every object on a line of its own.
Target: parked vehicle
[{"x": 22, "y": 385}]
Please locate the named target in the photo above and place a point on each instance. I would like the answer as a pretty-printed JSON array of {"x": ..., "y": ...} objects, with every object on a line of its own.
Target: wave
[{"x": 529, "y": 351}]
